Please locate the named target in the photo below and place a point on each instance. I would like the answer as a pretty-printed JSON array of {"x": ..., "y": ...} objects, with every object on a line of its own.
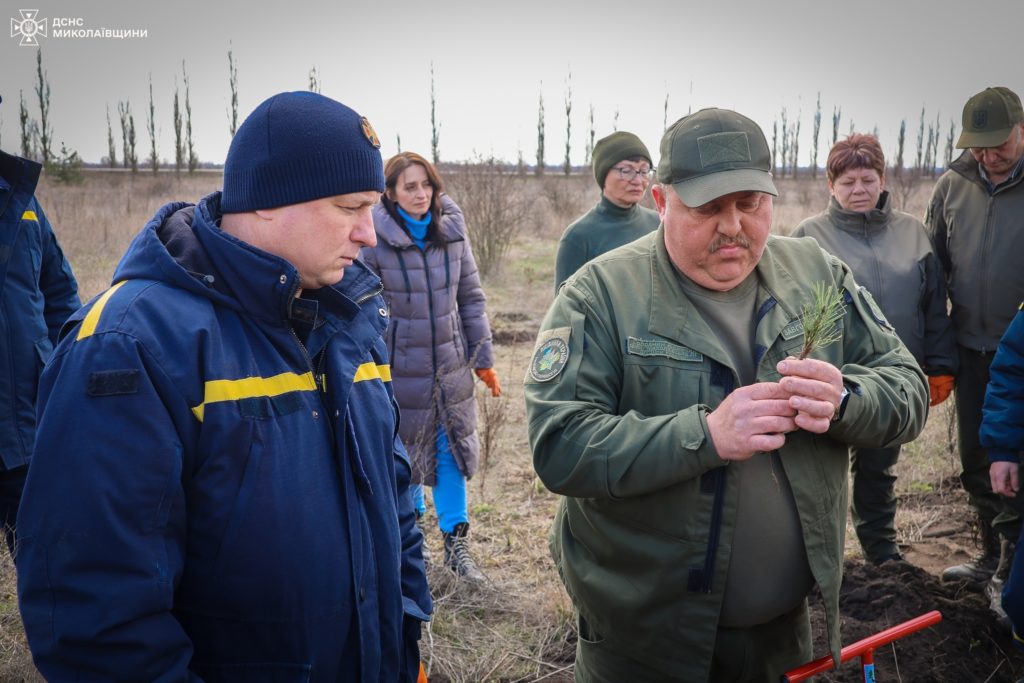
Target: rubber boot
[
  {"x": 457, "y": 557},
  {"x": 979, "y": 569}
]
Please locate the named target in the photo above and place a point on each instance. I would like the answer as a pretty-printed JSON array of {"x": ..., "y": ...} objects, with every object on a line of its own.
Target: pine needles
[{"x": 820, "y": 316}]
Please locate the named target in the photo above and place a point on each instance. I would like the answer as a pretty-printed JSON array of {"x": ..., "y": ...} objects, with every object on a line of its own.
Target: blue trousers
[{"x": 450, "y": 490}]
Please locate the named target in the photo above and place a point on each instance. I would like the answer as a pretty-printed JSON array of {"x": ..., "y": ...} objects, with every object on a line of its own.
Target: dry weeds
[{"x": 519, "y": 625}]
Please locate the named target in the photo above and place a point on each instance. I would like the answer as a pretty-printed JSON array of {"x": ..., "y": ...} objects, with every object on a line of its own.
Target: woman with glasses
[
  {"x": 890, "y": 254},
  {"x": 622, "y": 168},
  {"x": 438, "y": 337}
]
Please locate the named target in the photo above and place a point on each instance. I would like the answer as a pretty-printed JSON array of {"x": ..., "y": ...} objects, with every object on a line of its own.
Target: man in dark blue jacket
[
  {"x": 1002, "y": 435},
  {"x": 218, "y": 491},
  {"x": 37, "y": 294}
]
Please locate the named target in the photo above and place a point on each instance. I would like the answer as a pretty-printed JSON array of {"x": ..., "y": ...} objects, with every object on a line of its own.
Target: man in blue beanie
[{"x": 218, "y": 492}]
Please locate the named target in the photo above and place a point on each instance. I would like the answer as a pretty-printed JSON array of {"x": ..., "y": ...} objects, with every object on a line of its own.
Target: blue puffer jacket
[
  {"x": 37, "y": 294},
  {"x": 1002, "y": 427},
  {"x": 218, "y": 492}
]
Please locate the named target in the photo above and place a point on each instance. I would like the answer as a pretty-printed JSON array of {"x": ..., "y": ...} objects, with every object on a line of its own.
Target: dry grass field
[{"x": 519, "y": 625}]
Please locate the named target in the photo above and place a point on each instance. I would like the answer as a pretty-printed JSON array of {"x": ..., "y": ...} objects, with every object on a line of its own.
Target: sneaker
[{"x": 457, "y": 557}]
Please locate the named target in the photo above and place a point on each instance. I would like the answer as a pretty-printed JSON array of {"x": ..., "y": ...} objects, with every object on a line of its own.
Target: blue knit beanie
[{"x": 296, "y": 147}]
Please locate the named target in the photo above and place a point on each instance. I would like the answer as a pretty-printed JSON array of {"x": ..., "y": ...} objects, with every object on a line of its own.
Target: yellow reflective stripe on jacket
[
  {"x": 368, "y": 371},
  {"x": 29, "y": 216},
  {"x": 92, "y": 318},
  {"x": 218, "y": 390}
]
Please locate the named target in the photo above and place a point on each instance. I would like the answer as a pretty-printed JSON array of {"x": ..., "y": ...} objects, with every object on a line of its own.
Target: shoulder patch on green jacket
[
  {"x": 551, "y": 354},
  {"x": 660, "y": 347}
]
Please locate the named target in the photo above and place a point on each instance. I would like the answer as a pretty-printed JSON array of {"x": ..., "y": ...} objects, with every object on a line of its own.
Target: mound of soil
[{"x": 967, "y": 645}]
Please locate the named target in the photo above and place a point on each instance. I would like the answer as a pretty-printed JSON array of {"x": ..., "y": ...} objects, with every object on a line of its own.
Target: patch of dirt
[
  {"x": 967, "y": 645},
  {"x": 513, "y": 327}
]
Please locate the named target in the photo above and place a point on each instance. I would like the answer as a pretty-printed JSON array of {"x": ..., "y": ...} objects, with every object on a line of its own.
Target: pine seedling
[{"x": 821, "y": 315}]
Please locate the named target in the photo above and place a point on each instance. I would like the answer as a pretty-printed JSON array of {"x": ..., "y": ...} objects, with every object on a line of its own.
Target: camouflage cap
[
  {"x": 715, "y": 152},
  {"x": 989, "y": 118}
]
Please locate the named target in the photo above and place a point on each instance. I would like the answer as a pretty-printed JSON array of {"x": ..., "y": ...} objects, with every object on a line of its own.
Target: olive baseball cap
[
  {"x": 989, "y": 118},
  {"x": 715, "y": 152}
]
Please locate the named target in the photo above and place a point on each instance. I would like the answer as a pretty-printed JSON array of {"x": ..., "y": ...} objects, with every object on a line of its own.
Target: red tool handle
[{"x": 863, "y": 648}]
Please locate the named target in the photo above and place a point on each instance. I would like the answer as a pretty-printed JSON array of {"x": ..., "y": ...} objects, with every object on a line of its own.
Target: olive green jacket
[
  {"x": 979, "y": 238},
  {"x": 617, "y": 395}
]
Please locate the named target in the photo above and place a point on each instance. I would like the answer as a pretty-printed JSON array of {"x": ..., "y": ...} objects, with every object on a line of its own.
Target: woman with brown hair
[
  {"x": 438, "y": 336},
  {"x": 890, "y": 254}
]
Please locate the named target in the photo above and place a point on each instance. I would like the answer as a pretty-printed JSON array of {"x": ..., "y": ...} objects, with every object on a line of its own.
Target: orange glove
[
  {"x": 422, "y": 678},
  {"x": 940, "y": 386},
  {"x": 490, "y": 378}
]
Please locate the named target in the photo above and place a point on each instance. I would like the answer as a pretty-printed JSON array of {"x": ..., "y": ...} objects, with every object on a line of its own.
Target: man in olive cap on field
[
  {"x": 622, "y": 168},
  {"x": 976, "y": 219},
  {"x": 704, "y": 467}
]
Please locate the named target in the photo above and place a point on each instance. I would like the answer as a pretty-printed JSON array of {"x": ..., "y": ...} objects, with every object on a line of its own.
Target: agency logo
[{"x": 29, "y": 27}]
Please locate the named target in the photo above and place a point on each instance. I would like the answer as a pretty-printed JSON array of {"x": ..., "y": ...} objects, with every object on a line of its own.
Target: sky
[{"x": 878, "y": 61}]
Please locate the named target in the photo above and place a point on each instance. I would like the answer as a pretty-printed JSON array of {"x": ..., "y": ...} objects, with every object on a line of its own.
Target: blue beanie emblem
[{"x": 296, "y": 147}]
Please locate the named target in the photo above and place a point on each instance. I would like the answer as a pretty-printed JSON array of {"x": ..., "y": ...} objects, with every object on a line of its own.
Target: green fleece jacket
[
  {"x": 890, "y": 253},
  {"x": 979, "y": 238},
  {"x": 603, "y": 228},
  {"x": 617, "y": 395}
]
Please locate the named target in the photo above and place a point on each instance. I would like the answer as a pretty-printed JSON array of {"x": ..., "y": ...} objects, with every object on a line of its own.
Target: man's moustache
[{"x": 729, "y": 242}]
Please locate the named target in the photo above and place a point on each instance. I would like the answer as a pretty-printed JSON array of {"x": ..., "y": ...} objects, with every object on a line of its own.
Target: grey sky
[{"x": 881, "y": 61}]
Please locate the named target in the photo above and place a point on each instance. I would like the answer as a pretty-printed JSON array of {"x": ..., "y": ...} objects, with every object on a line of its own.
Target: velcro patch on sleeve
[{"x": 113, "y": 383}]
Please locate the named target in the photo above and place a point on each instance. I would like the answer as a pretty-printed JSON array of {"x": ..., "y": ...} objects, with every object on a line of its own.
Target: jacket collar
[
  {"x": 966, "y": 166},
  {"x": 606, "y": 206},
  {"x": 390, "y": 228},
  {"x": 672, "y": 315},
  {"x": 861, "y": 222},
  {"x": 211, "y": 263}
]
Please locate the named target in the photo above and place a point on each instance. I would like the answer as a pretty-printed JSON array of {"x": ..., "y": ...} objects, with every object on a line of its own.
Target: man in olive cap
[
  {"x": 622, "y": 168},
  {"x": 704, "y": 467},
  {"x": 976, "y": 219}
]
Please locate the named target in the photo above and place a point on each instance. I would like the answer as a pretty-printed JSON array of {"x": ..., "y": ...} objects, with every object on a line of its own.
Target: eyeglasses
[{"x": 627, "y": 173}]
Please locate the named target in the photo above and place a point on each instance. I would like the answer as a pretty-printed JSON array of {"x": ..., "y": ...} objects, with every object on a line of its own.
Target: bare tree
[
  {"x": 233, "y": 84},
  {"x": 43, "y": 93},
  {"x": 903, "y": 183},
  {"x": 795, "y": 161},
  {"x": 539, "y": 170},
  {"x": 154, "y": 158},
  {"x": 935, "y": 146},
  {"x": 784, "y": 157},
  {"x": 837, "y": 113},
  {"x": 814, "y": 139},
  {"x": 398, "y": 142},
  {"x": 26, "y": 135},
  {"x": 775, "y": 148},
  {"x": 567, "y": 165},
  {"x": 314, "y": 80},
  {"x": 949, "y": 142},
  {"x": 179, "y": 144},
  {"x": 193, "y": 159},
  {"x": 921, "y": 143},
  {"x": 590, "y": 140},
  {"x": 111, "y": 147},
  {"x": 900, "y": 144},
  {"x": 496, "y": 210},
  {"x": 664, "y": 111},
  {"x": 123, "y": 109},
  {"x": 615, "y": 120},
  {"x": 435, "y": 128}
]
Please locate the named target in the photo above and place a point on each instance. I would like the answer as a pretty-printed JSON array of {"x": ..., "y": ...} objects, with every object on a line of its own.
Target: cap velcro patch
[{"x": 722, "y": 148}]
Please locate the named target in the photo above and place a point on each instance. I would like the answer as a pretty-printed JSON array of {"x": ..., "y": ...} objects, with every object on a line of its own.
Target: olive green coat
[{"x": 642, "y": 539}]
